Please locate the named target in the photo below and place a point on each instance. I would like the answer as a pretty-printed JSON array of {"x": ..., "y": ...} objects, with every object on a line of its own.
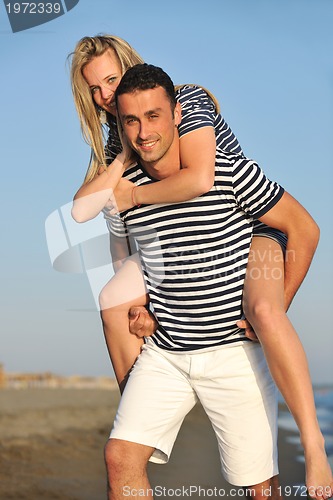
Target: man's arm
[
  {"x": 302, "y": 231},
  {"x": 288, "y": 216}
]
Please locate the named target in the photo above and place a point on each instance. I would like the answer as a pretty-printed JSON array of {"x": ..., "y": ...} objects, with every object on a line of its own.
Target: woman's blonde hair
[{"x": 85, "y": 51}]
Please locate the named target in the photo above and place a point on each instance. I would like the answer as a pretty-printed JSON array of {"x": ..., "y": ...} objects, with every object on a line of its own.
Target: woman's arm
[
  {"x": 92, "y": 196},
  {"x": 197, "y": 155},
  {"x": 196, "y": 177},
  {"x": 202, "y": 128}
]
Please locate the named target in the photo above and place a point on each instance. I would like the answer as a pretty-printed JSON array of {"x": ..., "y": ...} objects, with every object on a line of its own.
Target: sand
[{"x": 51, "y": 447}]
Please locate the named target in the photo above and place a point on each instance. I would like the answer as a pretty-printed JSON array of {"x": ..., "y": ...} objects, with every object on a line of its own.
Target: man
[{"x": 194, "y": 257}]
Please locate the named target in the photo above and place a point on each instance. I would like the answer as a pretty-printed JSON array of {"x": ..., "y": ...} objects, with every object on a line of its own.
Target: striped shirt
[
  {"x": 198, "y": 110},
  {"x": 194, "y": 254}
]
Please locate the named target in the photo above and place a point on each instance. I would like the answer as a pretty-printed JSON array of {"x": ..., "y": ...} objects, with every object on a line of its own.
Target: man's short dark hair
[{"x": 144, "y": 77}]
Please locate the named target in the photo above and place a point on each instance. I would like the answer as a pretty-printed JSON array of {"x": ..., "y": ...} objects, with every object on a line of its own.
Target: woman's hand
[
  {"x": 122, "y": 198},
  {"x": 127, "y": 155}
]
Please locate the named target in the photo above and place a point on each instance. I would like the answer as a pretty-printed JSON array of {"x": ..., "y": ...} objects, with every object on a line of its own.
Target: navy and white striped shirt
[
  {"x": 194, "y": 254},
  {"x": 198, "y": 110}
]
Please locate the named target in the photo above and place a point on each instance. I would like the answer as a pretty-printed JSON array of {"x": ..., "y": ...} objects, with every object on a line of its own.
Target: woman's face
[{"x": 103, "y": 75}]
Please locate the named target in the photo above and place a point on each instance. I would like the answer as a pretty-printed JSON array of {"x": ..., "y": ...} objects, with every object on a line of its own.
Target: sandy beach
[{"x": 51, "y": 447}]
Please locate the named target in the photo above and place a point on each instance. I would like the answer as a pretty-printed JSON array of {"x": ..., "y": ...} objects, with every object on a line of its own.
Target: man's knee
[
  {"x": 113, "y": 455},
  {"x": 125, "y": 456}
]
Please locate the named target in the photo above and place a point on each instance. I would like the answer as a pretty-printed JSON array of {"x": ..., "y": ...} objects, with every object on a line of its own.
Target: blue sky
[{"x": 270, "y": 65}]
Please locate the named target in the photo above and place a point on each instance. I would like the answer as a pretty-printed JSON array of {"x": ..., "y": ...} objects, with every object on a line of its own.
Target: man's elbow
[
  {"x": 311, "y": 235},
  {"x": 305, "y": 232},
  {"x": 315, "y": 233}
]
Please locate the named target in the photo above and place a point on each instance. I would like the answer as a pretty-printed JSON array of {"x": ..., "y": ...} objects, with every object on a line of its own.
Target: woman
[{"x": 98, "y": 64}]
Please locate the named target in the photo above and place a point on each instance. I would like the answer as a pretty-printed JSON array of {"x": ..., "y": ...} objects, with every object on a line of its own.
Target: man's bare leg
[
  {"x": 126, "y": 465},
  {"x": 269, "y": 489}
]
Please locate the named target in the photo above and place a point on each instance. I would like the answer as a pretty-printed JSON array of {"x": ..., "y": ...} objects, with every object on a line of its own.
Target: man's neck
[{"x": 161, "y": 170}]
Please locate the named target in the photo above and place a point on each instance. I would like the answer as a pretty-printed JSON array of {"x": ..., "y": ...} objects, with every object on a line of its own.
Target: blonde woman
[{"x": 97, "y": 66}]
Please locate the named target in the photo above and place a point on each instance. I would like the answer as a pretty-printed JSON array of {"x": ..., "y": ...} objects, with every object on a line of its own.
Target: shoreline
[{"x": 52, "y": 440}]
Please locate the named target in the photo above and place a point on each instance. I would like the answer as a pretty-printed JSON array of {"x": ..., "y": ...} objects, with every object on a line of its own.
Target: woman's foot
[{"x": 319, "y": 478}]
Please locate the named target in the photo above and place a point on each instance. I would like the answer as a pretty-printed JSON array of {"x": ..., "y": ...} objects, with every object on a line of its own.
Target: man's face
[
  {"x": 103, "y": 75},
  {"x": 148, "y": 122}
]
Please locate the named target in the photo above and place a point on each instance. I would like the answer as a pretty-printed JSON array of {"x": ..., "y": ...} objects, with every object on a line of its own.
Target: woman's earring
[{"x": 102, "y": 116}]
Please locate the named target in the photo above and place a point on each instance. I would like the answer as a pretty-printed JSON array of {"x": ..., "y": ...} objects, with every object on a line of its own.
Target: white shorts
[{"x": 234, "y": 387}]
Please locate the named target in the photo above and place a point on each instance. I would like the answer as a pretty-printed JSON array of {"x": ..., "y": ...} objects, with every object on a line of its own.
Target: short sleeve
[
  {"x": 254, "y": 192},
  {"x": 198, "y": 109},
  {"x": 115, "y": 225}
]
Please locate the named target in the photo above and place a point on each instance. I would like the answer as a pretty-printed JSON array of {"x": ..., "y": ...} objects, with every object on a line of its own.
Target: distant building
[
  {"x": 2, "y": 376},
  {"x": 50, "y": 380}
]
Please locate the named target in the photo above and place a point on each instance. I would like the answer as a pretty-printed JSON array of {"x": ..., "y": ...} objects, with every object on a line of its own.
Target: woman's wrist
[
  {"x": 125, "y": 160},
  {"x": 135, "y": 201},
  {"x": 121, "y": 157},
  {"x": 117, "y": 164}
]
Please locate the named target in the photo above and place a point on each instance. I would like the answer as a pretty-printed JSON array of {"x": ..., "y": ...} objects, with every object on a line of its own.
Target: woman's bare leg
[
  {"x": 124, "y": 290},
  {"x": 264, "y": 308}
]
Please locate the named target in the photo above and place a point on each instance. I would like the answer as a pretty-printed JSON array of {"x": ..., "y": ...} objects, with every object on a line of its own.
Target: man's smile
[{"x": 146, "y": 146}]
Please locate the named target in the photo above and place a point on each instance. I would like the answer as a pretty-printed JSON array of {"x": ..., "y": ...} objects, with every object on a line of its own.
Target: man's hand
[
  {"x": 249, "y": 332},
  {"x": 142, "y": 323}
]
